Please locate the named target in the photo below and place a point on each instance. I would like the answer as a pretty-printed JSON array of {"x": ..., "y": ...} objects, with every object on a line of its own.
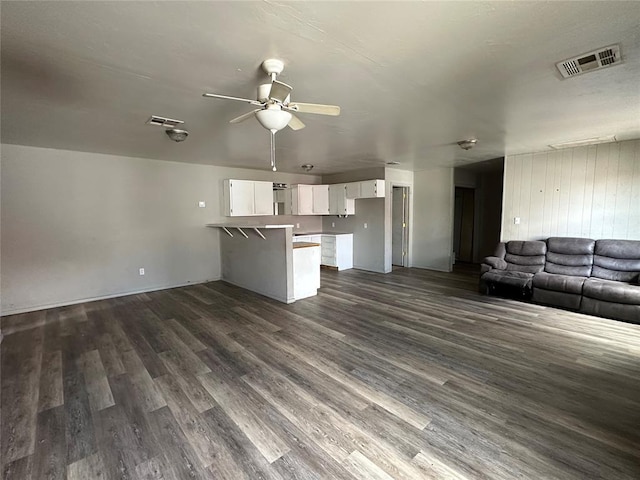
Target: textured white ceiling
[{"x": 411, "y": 78}]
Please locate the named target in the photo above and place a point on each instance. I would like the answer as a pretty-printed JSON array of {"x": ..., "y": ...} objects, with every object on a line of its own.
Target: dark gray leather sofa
[
  {"x": 510, "y": 271},
  {"x": 568, "y": 265},
  {"x": 598, "y": 277}
]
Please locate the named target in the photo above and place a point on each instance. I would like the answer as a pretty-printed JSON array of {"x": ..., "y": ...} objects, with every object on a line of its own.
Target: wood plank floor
[{"x": 407, "y": 375}]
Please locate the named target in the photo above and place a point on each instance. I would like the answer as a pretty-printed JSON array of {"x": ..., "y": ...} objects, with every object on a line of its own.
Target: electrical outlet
[
  {"x": 333, "y": 224},
  {"x": 142, "y": 271},
  {"x": 516, "y": 220},
  {"x": 202, "y": 204},
  {"x": 297, "y": 225},
  {"x": 365, "y": 225}
]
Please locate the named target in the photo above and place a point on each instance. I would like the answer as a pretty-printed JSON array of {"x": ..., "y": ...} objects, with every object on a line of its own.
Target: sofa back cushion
[
  {"x": 570, "y": 256},
  {"x": 617, "y": 260},
  {"x": 525, "y": 256}
]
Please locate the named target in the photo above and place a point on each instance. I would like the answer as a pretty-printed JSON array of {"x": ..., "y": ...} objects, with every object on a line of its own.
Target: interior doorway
[
  {"x": 400, "y": 226},
  {"x": 464, "y": 219}
]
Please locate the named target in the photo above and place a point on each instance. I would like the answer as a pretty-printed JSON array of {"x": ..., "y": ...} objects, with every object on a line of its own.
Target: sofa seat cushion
[
  {"x": 559, "y": 283},
  {"x": 612, "y": 291},
  {"x": 509, "y": 277}
]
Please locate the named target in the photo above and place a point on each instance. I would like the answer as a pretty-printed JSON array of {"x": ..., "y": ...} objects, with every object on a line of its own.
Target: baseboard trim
[
  {"x": 36, "y": 308},
  {"x": 264, "y": 294}
]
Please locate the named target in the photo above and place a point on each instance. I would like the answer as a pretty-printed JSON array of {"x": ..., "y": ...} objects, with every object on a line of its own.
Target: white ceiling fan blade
[
  {"x": 244, "y": 117},
  {"x": 227, "y": 97},
  {"x": 316, "y": 108},
  {"x": 295, "y": 123},
  {"x": 279, "y": 91}
]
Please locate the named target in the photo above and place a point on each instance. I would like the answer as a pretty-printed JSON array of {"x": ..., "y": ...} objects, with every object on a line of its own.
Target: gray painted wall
[
  {"x": 262, "y": 265},
  {"x": 368, "y": 243},
  {"x": 589, "y": 192},
  {"x": 433, "y": 201},
  {"x": 77, "y": 226}
]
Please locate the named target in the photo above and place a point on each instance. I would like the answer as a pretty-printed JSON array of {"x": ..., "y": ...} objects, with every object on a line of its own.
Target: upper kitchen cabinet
[
  {"x": 366, "y": 189},
  {"x": 339, "y": 204},
  {"x": 244, "y": 198},
  {"x": 307, "y": 200}
]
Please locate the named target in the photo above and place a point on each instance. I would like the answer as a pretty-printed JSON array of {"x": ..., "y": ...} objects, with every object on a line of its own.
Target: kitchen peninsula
[{"x": 260, "y": 258}]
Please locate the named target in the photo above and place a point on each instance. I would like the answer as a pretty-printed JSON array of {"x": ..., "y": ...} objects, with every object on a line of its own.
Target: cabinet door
[
  {"x": 372, "y": 189},
  {"x": 339, "y": 204},
  {"x": 241, "y": 199},
  {"x": 337, "y": 195},
  {"x": 320, "y": 199},
  {"x": 305, "y": 200},
  {"x": 263, "y": 198},
  {"x": 353, "y": 190}
]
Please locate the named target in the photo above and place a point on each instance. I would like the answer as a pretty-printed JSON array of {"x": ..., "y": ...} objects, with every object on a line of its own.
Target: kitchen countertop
[
  {"x": 305, "y": 244},
  {"x": 246, "y": 225},
  {"x": 321, "y": 233}
]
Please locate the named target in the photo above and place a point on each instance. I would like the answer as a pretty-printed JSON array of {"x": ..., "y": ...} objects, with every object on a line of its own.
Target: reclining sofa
[{"x": 597, "y": 277}]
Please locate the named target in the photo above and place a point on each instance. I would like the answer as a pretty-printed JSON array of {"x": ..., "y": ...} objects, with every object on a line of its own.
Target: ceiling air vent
[
  {"x": 163, "y": 121},
  {"x": 601, "y": 58}
]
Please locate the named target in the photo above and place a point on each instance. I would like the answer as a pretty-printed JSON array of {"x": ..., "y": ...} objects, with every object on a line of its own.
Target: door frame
[{"x": 406, "y": 190}]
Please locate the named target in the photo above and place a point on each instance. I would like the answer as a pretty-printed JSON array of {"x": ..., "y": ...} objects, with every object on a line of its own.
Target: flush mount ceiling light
[
  {"x": 585, "y": 142},
  {"x": 177, "y": 134},
  {"x": 393, "y": 163},
  {"x": 307, "y": 167},
  {"x": 468, "y": 144}
]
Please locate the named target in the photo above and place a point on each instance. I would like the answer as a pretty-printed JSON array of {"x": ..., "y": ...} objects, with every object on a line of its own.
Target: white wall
[
  {"x": 77, "y": 226},
  {"x": 433, "y": 202},
  {"x": 589, "y": 192}
]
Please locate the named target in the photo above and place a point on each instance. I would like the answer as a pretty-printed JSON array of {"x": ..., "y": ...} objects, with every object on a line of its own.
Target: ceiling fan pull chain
[{"x": 273, "y": 149}]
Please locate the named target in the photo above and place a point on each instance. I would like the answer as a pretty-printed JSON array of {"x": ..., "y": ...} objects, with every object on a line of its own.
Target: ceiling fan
[{"x": 276, "y": 108}]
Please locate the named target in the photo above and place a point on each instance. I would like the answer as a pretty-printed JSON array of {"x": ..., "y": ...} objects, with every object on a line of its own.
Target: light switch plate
[
  {"x": 202, "y": 204},
  {"x": 365, "y": 225},
  {"x": 333, "y": 224},
  {"x": 516, "y": 220},
  {"x": 142, "y": 271}
]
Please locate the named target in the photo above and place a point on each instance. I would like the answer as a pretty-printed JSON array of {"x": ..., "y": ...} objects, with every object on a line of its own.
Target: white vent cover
[
  {"x": 163, "y": 121},
  {"x": 601, "y": 58}
]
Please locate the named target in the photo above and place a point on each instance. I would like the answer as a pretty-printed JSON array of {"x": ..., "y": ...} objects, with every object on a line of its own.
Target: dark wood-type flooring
[{"x": 408, "y": 375}]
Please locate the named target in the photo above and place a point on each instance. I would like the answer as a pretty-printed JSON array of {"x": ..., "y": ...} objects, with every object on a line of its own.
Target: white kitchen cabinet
[
  {"x": 306, "y": 270},
  {"x": 366, "y": 189},
  {"x": 337, "y": 250},
  {"x": 339, "y": 204},
  {"x": 244, "y": 198},
  {"x": 307, "y": 200}
]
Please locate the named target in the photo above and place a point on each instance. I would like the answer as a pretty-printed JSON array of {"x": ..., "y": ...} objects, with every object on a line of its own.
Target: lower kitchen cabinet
[{"x": 337, "y": 250}]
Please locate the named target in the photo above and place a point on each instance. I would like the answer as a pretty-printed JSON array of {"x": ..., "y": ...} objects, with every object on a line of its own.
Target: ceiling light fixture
[
  {"x": 177, "y": 135},
  {"x": 585, "y": 142},
  {"x": 393, "y": 163},
  {"x": 307, "y": 167},
  {"x": 468, "y": 144}
]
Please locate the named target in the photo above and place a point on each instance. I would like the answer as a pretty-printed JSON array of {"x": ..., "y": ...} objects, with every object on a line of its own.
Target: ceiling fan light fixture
[
  {"x": 307, "y": 167},
  {"x": 273, "y": 118},
  {"x": 467, "y": 144}
]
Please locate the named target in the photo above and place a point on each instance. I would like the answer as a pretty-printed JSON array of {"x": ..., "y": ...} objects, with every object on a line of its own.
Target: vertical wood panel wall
[{"x": 589, "y": 192}]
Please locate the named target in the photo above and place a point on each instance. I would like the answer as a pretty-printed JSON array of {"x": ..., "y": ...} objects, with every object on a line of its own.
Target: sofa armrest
[{"x": 495, "y": 262}]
